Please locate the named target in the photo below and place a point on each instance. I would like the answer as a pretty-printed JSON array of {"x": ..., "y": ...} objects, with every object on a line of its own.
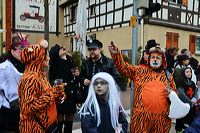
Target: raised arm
[{"x": 123, "y": 67}]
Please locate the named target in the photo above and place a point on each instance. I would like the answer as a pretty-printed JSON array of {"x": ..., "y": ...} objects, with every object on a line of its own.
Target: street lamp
[{"x": 146, "y": 8}]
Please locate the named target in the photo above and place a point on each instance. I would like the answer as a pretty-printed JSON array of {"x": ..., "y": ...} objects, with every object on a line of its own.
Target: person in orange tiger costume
[
  {"x": 150, "y": 102},
  {"x": 36, "y": 96}
]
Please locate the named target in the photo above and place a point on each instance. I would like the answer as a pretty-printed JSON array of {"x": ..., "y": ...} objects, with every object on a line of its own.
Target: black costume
[{"x": 63, "y": 69}]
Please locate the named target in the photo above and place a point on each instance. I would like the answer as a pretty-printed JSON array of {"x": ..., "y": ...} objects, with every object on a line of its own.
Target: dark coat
[
  {"x": 170, "y": 62},
  {"x": 63, "y": 69},
  {"x": 194, "y": 64},
  {"x": 90, "y": 68},
  {"x": 89, "y": 123}
]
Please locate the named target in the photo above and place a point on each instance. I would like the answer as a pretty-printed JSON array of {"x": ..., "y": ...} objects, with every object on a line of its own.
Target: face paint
[
  {"x": 155, "y": 60},
  {"x": 155, "y": 64}
]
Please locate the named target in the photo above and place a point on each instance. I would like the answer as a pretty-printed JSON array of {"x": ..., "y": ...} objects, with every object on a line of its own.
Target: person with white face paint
[
  {"x": 155, "y": 60},
  {"x": 150, "y": 101},
  {"x": 102, "y": 111}
]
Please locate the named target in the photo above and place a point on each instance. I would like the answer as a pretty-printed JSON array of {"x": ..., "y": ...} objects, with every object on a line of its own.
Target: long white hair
[{"x": 91, "y": 105}]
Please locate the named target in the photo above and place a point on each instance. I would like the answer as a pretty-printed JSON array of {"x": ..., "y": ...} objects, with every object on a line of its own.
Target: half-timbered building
[{"x": 176, "y": 24}]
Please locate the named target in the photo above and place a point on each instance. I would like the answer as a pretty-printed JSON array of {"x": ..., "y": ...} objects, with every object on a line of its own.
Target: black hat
[
  {"x": 182, "y": 57},
  {"x": 94, "y": 43},
  {"x": 150, "y": 43},
  {"x": 54, "y": 51}
]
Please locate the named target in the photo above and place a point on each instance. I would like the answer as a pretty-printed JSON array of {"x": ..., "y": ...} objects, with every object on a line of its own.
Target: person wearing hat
[
  {"x": 151, "y": 43},
  {"x": 145, "y": 54},
  {"x": 193, "y": 62},
  {"x": 11, "y": 71},
  {"x": 150, "y": 104},
  {"x": 97, "y": 62},
  {"x": 183, "y": 61}
]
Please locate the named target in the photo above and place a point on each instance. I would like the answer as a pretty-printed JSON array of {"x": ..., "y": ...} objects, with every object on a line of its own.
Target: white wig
[{"x": 91, "y": 105}]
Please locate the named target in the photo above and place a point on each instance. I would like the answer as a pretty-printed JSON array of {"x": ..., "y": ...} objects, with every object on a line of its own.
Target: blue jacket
[
  {"x": 195, "y": 126},
  {"x": 89, "y": 122}
]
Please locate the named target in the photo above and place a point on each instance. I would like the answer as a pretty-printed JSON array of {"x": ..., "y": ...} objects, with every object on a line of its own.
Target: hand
[
  {"x": 86, "y": 82},
  {"x": 112, "y": 48},
  {"x": 59, "y": 90},
  {"x": 118, "y": 129},
  {"x": 194, "y": 101},
  {"x": 168, "y": 91}
]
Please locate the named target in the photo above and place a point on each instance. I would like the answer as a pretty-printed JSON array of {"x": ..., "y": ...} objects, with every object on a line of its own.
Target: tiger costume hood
[{"x": 34, "y": 56}]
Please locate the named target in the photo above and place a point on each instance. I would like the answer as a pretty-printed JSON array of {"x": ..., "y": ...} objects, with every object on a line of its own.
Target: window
[
  {"x": 182, "y": 2},
  {"x": 194, "y": 44},
  {"x": 175, "y": 1},
  {"x": 185, "y": 2},
  {"x": 73, "y": 13},
  {"x": 92, "y": 10},
  {"x": 197, "y": 45},
  {"x": 172, "y": 39}
]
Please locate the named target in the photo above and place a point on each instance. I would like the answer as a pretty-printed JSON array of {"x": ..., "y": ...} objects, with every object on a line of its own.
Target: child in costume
[
  {"x": 150, "y": 103},
  {"x": 188, "y": 88},
  {"x": 36, "y": 96},
  {"x": 102, "y": 111}
]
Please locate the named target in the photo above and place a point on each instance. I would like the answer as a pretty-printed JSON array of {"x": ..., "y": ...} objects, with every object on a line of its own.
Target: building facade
[
  {"x": 176, "y": 24},
  {"x": 14, "y": 22}
]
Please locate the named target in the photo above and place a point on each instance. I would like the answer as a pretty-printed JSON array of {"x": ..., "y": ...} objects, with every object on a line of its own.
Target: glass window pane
[{"x": 198, "y": 44}]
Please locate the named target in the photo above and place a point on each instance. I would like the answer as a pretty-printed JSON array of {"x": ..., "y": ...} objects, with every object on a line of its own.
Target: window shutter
[
  {"x": 168, "y": 39},
  {"x": 192, "y": 44},
  {"x": 172, "y": 39},
  {"x": 185, "y": 2},
  {"x": 175, "y": 42}
]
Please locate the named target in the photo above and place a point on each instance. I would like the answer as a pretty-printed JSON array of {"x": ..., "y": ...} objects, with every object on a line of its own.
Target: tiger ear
[{"x": 44, "y": 44}]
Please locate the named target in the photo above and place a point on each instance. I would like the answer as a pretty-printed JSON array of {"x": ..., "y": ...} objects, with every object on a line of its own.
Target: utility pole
[
  {"x": 46, "y": 20},
  {"x": 134, "y": 47}
]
